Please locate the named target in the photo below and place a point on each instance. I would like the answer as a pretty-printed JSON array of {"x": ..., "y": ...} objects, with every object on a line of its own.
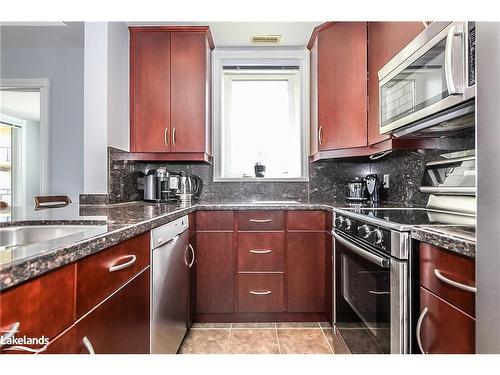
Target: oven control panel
[{"x": 374, "y": 235}]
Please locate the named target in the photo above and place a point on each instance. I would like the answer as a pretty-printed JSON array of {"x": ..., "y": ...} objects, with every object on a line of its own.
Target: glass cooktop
[{"x": 405, "y": 218}]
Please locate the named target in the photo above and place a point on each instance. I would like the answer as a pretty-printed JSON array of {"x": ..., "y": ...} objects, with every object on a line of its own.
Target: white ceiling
[
  {"x": 237, "y": 34},
  {"x": 24, "y": 105}
]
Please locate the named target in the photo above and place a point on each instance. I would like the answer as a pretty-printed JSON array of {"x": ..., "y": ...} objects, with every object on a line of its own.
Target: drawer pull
[
  {"x": 263, "y": 251},
  {"x": 119, "y": 267},
  {"x": 88, "y": 345},
  {"x": 456, "y": 284},
  {"x": 14, "y": 328},
  {"x": 378, "y": 293},
  {"x": 419, "y": 328},
  {"x": 260, "y": 293},
  {"x": 260, "y": 221}
]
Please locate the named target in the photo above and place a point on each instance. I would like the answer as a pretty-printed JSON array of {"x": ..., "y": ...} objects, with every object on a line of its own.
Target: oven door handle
[{"x": 374, "y": 258}]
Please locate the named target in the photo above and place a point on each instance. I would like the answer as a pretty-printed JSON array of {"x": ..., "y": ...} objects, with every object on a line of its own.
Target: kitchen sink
[{"x": 33, "y": 234}]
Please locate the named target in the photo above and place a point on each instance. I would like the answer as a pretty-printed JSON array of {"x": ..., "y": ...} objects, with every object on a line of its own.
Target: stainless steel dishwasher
[{"x": 169, "y": 290}]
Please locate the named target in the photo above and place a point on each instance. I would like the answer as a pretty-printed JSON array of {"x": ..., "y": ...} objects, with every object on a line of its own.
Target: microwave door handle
[
  {"x": 448, "y": 60},
  {"x": 371, "y": 257}
]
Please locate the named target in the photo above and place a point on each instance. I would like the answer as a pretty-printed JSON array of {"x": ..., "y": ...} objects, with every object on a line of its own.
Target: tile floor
[{"x": 258, "y": 338}]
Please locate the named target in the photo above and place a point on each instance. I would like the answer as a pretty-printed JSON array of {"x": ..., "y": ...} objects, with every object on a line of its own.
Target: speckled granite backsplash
[{"x": 327, "y": 180}]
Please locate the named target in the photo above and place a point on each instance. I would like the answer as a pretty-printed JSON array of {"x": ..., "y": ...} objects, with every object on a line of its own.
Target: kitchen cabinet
[
  {"x": 41, "y": 307},
  {"x": 170, "y": 93},
  {"x": 260, "y": 292},
  {"x": 338, "y": 78},
  {"x": 119, "y": 325},
  {"x": 215, "y": 272},
  {"x": 446, "y": 323},
  {"x": 305, "y": 262}
]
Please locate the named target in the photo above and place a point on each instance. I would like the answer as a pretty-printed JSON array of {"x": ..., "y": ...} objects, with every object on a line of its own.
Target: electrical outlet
[{"x": 386, "y": 181}]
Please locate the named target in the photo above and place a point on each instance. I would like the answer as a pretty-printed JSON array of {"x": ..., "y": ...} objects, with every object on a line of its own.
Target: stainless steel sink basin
[{"x": 33, "y": 234}]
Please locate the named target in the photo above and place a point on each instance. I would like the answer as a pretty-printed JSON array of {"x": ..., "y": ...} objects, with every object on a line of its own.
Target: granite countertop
[
  {"x": 118, "y": 222},
  {"x": 459, "y": 239}
]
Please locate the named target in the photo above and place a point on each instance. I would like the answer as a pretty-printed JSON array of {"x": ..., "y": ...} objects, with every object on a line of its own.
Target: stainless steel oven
[
  {"x": 428, "y": 88},
  {"x": 371, "y": 294}
]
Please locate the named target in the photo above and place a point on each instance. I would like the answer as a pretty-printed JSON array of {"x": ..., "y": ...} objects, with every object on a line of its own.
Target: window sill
[{"x": 260, "y": 179}]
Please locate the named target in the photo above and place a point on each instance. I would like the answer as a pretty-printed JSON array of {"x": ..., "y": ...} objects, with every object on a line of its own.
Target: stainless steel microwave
[{"x": 428, "y": 88}]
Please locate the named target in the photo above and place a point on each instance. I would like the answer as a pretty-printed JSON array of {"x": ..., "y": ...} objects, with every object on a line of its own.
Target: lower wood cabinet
[
  {"x": 260, "y": 292},
  {"x": 305, "y": 265},
  {"x": 119, "y": 325},
  {"x": 215, "y": 272},
  {"x": 444, "y": 329}
]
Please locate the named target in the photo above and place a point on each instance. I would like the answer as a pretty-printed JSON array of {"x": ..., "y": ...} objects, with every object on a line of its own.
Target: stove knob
[
  {"x": 338, "y": 221},
  {"x": 347, "y": 224},
  {"x": 376, "y": 236},
  {"x": 364, "y": 231}
]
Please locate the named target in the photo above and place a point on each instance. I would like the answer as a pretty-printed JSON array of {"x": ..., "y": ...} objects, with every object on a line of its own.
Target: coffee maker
[{"x": 157, "y": 186}]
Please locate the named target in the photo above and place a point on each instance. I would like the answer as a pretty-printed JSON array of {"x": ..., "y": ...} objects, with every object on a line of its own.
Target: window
[{"x": 260, "y": 123}]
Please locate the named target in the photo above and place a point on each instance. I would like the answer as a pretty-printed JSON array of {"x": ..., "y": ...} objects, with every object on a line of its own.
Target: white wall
[
  {"x": 106, "y": 119},
  {"x": 32, "y": 159},
  {"x": 63, "y": 65}
]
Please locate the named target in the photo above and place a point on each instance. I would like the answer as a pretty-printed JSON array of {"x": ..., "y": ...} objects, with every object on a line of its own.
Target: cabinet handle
[
  {"x": 378, "y": 293},
  {"x": 260, "y": 221},
  {"x": 320, "y": 135},
  {"x": 119, "y": 267},
  {"x": 260, "y": 293},
  {"x": 263, "y": 251},
  {"x": 454, "y": 283},
  {"x": 14, "y": 328},
  {"x": 173, "y": 136},
  {"x": 193, "y": 254},
  {"x": 419, "y": 328},
  {"x": 165, "y": 137},
  {"x": 88, "y": 345}
]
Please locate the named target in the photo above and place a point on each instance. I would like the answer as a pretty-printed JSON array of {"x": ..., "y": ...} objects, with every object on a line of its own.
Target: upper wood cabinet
[
  {"x": 170, "y": 93},
  {"x": 338, "y": 81},
  {"x": 385, "y": 40}
]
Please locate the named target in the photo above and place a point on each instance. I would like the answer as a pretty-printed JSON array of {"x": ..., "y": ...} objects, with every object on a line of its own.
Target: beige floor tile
[
  {"x": 253, "y": 341},
  {"x": 302, "y": 341},
  {"x": 205, "y": 341},
  {"x": 253, "y": 325},
  {"x": 297, "y": 325},
  {"x": 328, "y": 334}
]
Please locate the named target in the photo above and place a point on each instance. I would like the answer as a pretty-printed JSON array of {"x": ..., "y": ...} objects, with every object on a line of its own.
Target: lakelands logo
[{"x": 10, "y": 342}]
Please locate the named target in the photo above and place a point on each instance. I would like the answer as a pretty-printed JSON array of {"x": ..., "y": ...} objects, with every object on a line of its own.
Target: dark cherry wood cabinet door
[
  {"x": 445, "y": 329},
  {"x": 215, "y": 272},
  {"x": 120, "y": 325},
  {"x": 44, "y": 306},
  {"x": 95, "y": 281},
  {"x": 306, "y": 220},
  {"x": 192, "y": 282},
  {"x": 342, "y": 89},
  {"x": 150, "y": 91},
  {"x": 260, "y": 292},
  {"x": 314, "y": 98},
  {"x": 452, "y": 267},
  {"x": 214, "y": 220},
  {"x": 189, "y": 92},
  {"x": 379, "y": 52},
  {"x": 261, "y": 251},
  {"x": 261, "y": 220},
  {"x": 305, "y": 268}
]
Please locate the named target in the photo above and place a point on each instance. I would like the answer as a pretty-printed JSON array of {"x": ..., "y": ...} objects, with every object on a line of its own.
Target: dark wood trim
[
  {"x": 315, "y": 32},
  {"x": 176, "y": 29},
  {"x": 167, "y": 156},
  {"x": 390, "y": 144},
  {"x": 261, "y": 317}
]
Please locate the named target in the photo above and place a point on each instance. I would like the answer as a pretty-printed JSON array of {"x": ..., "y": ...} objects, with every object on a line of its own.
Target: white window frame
[{"x": 259, "y": 57}]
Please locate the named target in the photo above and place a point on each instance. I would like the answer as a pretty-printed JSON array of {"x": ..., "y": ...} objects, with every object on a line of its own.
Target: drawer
[
  {"x": 306, "y": 220},
  {"x": 260, "y": 292},
  {"x": 444, "y": 329},
  {"x": 41, "y": 307},
  {"x": 440, "y": 270},
  {"x": 214, "y": 220},
  {"x": 260, "y": 220},
  {"x": 95, "y": 277},
  {"x": 261, "y": 251}
]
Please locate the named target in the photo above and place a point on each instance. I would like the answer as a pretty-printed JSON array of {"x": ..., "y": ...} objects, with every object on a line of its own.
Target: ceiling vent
[{"x": 265, "y": 39}]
